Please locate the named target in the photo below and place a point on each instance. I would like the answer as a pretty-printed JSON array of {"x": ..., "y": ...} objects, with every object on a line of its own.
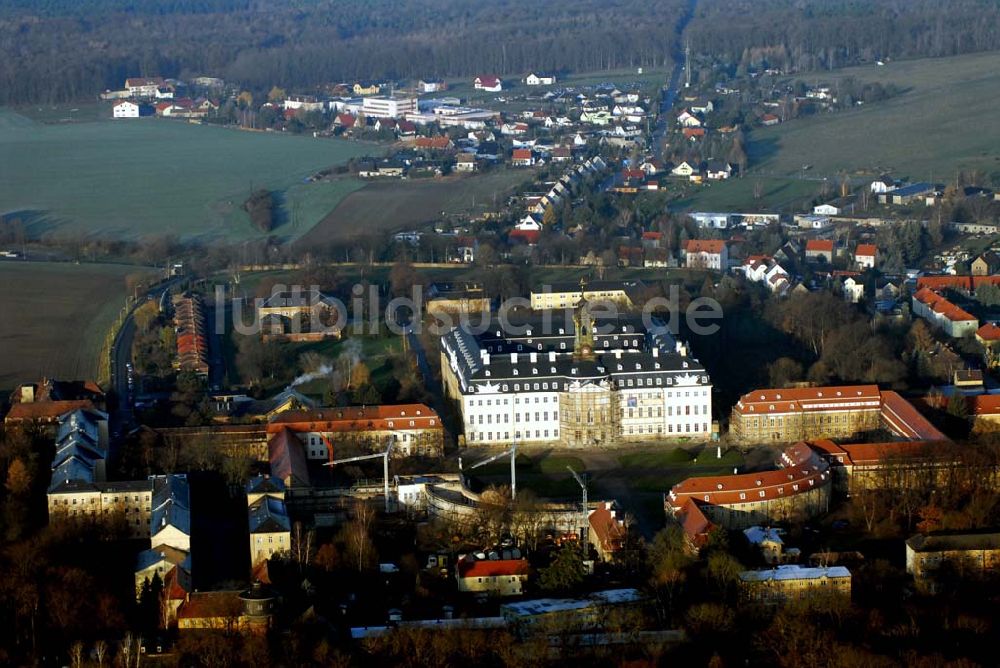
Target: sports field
[
  {"x": 146, "y": 177},
  {"x": 55, "y": 318},
  {"x": 944, "y": 120}
]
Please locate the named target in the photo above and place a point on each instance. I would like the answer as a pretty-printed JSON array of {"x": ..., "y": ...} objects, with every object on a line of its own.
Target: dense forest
[
  {"x": 62, "y": 50},
  {"x": 52, "y": 51},
  {"x": 804, "y": 35}
]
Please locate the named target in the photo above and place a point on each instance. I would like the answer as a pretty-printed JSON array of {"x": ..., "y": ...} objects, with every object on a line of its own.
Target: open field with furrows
[
  {"x": 943, "y": 121},
  {"x": 393, "y": 205},
  {"x": 55, "y": 318},
  {"x": 137, "y": 178}
]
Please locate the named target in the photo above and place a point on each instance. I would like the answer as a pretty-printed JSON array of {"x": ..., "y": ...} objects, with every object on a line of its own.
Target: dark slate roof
[
  {"x": 171, "y": 503},
  {"x": 265, "y": 485},
  {"x": 268, "y": 515}
]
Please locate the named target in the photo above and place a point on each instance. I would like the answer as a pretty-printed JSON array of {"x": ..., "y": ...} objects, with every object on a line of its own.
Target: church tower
[{"x": 583, "y": 342}]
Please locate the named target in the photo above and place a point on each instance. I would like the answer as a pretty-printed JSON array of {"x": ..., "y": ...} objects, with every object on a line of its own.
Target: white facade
[
  {"x": 539, "y": 79},
  {"x": 717, "y": 221},
  {"x": 389, "y": 107},
  {"x": 125, "y": 109},
  {"x": 303, "y": 103},
  {"x": 635, "y": 386}
]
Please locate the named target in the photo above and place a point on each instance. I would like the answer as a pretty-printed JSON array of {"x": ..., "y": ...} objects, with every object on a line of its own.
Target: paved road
[{"x": 665, "y": 119}]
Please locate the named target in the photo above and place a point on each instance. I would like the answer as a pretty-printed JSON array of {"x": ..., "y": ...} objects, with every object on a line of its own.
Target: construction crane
[
  {"x": 513, "y": 477},
  {"x": 385, "y": 464},
  {"x": 583, "y": 486}
]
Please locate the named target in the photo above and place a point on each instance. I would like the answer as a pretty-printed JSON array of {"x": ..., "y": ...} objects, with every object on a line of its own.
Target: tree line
[{"x": 310, "y": 43}]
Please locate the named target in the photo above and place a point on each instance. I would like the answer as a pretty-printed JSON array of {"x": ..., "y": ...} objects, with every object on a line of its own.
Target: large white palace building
[{"x": 573, "y": 379}]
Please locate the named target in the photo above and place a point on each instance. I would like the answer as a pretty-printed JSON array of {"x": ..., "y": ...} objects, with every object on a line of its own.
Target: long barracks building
[{"x": 593, "y": 381}]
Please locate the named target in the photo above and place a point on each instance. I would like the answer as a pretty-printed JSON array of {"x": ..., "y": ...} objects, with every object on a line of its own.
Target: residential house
[
  {"x": 812, "y": 221},
  {"x": 882, "y": 185},
  {"x": 866, "y": 256},
  {"x": 539, "y": 79},
  {"x": 442, "y": 143},
  {"x": 694, "y": 134},
  {"x": 143, "y": 87},
  {"x": 820, "y": 250},
  {"x": 685, "y": 168},
  {"x": 608, "y": 532},
  {"x": 561, "y": 154},
  {"x": 851, "y": 286},
  {"x": 497, "y": 577},
  {"x": 688, "y": 120},
  {"x": 466, "y": 162},
  {"x": 768, "y": 541},
  {"x": 367, "y": 88},
  {"x": 706, "y": 254},
  {"x": 126, "y": 109},
  {"x": 596, "y": 117},
  {"x": 940, "y": 312},
  {"x": 986, "y": 264},
  {"x": 489, "y": 83},
  {"x": 702, "y": 107},
  {"x": 522, "y": 157},
  {"x": 827, "y": 209},
  {"x": 718, "y": 170},
  {"x": 269, "y": 526},
  {"x": 528, "y": 231},
  {"x": 432, "y": 86},
  {"x": 769, "y": 119}
]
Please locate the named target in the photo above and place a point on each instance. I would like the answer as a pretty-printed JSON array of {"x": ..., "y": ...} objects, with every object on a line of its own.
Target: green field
[
  {"x": 738, "y": 194},
  {"x": 944, "y": 120},
  {"x": 146, "y": 177},
  {"x": 55, "y": 318}
]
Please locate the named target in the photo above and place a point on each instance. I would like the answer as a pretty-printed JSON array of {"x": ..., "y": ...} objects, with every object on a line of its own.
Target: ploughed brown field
[{"x": 55, "y": 317}]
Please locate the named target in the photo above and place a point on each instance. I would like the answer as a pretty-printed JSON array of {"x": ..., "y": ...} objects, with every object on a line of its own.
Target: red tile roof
[
  {"x": 652, "y": 236},
  {"x": 46, "y": 410},
  {"x": 989, "y": 332},
  {"x": 609, "y": 530},
  {"x": 357, "y": 418},
  {"x": 485, "y": 568},
  {"x": 844, "y": 397},
  {"x": 939, "y": 304},
  {"x": 967, "y": 283},
  {"x": 438, "y": 143},
  {"x": 866, "y": 250},
  {"x": 521, "y": 154},
  {"x": 714, "y": 246},
  {"x": 819, "y": 246},
  {"x": 985, "y": 404},
  {"x": 802, "y": 471}
]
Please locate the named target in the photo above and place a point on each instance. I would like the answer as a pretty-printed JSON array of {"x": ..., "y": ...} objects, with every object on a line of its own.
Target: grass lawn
[
  {"x": 56, "y": 317},
  {"x": 944, "y": 120},
  {"x": 151, "y": 177}
]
